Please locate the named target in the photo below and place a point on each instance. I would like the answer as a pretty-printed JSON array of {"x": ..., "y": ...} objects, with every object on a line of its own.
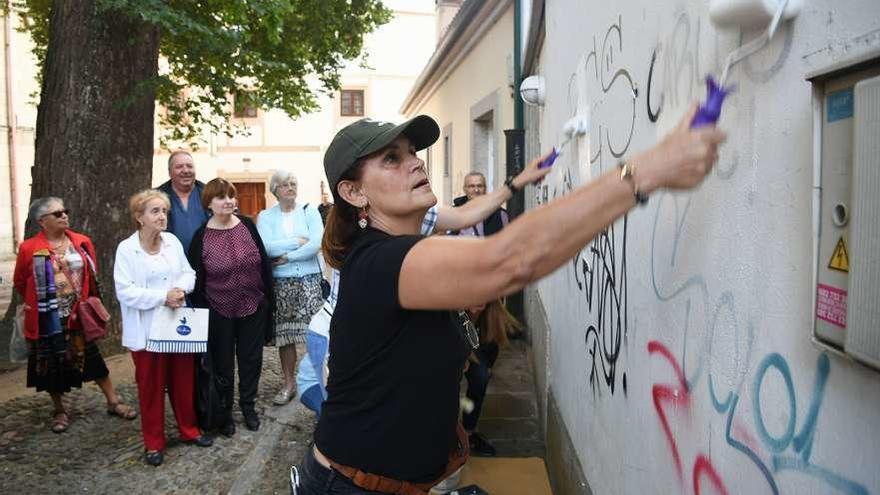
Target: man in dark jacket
[
  {"x": 185, "y": 192},
  {"x": 475, "y": 185}
]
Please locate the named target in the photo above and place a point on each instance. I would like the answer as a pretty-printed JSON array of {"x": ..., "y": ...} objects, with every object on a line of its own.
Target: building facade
[
  {"x": 676, "y": 354},
  {"x": 467, "y": 87}
]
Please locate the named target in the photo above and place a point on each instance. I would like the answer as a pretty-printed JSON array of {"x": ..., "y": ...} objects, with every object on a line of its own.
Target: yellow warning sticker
[{"x": 840, "y": 258}]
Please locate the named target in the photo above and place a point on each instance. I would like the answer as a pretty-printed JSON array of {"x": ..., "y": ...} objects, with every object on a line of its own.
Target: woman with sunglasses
[
  {"x": 390, "y": 421},
  {"x": 53, "y": 271}
]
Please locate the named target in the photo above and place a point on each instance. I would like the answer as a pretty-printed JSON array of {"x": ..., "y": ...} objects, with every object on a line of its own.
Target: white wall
[
  {"x": 479, "y": 75},
  {"x": 683, "y": 362}
]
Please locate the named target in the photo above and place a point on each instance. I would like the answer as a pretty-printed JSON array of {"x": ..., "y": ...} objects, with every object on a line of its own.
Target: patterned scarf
[
  {"x": 52, "y": 346},
  {"x": 47, "y": 298}
]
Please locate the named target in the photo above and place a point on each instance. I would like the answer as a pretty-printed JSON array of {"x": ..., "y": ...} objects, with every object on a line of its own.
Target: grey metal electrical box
[
  {"x": 846, "y": 201},
  {"x": 863, "y": 313}
]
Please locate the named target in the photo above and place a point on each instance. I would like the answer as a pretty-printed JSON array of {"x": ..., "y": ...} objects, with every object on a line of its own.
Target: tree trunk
[{"x": 94, "y": 139}]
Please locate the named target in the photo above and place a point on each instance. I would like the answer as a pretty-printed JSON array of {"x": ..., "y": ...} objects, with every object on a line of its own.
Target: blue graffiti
[
  {"x": 801, "y": 443},
  {"x": 791, "y": 449}
]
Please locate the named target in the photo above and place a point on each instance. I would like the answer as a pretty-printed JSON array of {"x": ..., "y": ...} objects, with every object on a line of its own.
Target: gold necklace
[{"x": 60, "y": 247}]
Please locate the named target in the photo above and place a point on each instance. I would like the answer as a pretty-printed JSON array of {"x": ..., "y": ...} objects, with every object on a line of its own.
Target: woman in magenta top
[{"x": 233, "y": 280}]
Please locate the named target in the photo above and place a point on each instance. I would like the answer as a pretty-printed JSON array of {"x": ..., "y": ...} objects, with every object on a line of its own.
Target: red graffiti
[
  {"x": 703, "y": 465},
  {"x": 679, "y": 395}
]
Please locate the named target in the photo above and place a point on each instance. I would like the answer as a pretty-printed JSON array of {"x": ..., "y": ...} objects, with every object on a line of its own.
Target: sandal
[
  {"x": 283, "y": 396},
  {"x": 121, "y": 410},
  {"x": 60, "y": 421}
]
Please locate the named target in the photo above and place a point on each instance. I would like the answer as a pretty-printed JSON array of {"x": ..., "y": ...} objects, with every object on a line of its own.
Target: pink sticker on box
[{"x": 831, "y": 305}]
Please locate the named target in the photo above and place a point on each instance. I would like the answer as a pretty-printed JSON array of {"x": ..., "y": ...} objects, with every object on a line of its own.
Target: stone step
[
  {"x": 509, "y": 405},
  {"x": 510, "y": 429},
  {"x": 518, "y": 447},
  {"x": 509, "y": 419}
]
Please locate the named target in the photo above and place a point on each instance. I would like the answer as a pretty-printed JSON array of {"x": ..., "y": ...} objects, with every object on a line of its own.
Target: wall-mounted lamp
[{"x": 532, "y": 90}]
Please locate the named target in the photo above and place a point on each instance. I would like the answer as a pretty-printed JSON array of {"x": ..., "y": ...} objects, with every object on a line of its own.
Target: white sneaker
[{"x": 449, "y": 484}]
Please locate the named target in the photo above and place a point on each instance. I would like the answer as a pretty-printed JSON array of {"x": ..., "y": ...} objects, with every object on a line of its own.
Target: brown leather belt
[{"x": 376, "y": 483}]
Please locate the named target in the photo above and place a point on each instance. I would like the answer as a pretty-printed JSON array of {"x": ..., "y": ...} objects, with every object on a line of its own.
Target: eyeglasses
[
  {"x": 471, "y": 335},
  {"x": 291, "y": 185},
  {"x": 58, "y": 214}
]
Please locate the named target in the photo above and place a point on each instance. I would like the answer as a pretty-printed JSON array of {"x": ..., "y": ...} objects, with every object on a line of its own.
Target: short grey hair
[
  {"x": 474, "y": 173},
  {"x": 40, "y": 207},
  {"x": 281, "y": 177},
  {"x": 175, "y": 153}
]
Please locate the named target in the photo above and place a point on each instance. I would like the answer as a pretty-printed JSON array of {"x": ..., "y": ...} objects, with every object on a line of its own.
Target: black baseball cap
[{"x": 367, "y": 136}]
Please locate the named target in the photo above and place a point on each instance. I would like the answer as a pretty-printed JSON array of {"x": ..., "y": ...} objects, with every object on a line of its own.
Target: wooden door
[{"x": 251, "y": 198}]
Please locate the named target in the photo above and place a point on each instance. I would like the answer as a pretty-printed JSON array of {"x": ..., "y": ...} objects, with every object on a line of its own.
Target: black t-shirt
[{"x": 392, "y": 403}]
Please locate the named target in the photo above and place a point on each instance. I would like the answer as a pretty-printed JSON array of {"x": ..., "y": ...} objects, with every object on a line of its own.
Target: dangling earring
[{"x": 363, "y": 218}]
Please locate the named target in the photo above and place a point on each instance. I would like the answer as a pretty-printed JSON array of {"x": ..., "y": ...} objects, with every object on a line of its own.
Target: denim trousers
[
  {"x": 317, "y": 346},
  {"x": 315, "y": 479}
]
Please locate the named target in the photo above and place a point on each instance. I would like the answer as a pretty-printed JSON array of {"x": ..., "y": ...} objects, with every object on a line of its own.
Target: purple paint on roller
[
  {"x": 710, "y": 111},
  {"x": 551, "y": 158}
]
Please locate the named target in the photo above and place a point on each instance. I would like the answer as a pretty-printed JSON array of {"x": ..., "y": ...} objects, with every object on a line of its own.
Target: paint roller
[
  {"x": 578, "y": 125},
  {"x": 747, "y": 14}
]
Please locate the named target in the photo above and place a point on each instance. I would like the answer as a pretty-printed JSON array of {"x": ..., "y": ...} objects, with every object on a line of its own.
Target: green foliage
[{"x": 280, "y": 53}]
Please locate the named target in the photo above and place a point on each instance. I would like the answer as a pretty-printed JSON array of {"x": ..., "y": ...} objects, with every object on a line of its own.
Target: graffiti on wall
[
  {"x": 612, "y": 92},
  {"x": 600, "y": 274},
  {"x": 771, "y": 454},
  {"x": 602, "y": 82},
  {"x": 717, "y": 347}
]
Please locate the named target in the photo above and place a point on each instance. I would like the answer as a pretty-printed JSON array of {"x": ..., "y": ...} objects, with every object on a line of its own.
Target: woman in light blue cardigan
[{"x": 291, "y": 232}]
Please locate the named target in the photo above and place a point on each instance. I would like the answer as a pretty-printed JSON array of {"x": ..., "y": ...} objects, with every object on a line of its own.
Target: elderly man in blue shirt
[{"x": 186, "y": 214}]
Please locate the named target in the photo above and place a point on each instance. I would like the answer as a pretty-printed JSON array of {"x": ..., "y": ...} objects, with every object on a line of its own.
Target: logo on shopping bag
[{"x": 183, "y": 328}]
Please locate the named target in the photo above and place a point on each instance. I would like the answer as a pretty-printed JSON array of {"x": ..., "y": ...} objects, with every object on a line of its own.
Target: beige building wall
[
  {"x": 20, "y": 84},
  {"x": 397, "y": 52},
  {"x": 478, "y": 85}
]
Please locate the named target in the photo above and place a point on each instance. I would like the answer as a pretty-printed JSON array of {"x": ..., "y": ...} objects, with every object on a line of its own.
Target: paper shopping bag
[{"x": 178, "y": 330}]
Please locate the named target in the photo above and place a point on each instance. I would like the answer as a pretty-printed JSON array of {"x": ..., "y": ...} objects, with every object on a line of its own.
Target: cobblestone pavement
[{"x": 104, "y": 454}]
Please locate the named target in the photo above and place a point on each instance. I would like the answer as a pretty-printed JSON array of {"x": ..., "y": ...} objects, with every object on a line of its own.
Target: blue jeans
[
  {"x": 315, "y": 479},
  {"x": 317, "y": 346},
  {"x": 312, "y": 398}
]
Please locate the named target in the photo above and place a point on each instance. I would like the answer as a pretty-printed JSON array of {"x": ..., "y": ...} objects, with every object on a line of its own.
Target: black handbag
[{"x": 211, "y": 410}]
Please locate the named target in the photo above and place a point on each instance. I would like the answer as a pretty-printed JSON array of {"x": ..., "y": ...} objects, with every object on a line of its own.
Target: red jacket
[{"x": 24, "y": 282}]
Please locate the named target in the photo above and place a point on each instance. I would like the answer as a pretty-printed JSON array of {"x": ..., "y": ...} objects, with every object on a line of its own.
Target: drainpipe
[
  {"x": 517, "y": 64},
  {"x": 11, "y": 125},
  {"x": 516, "y": 145}
]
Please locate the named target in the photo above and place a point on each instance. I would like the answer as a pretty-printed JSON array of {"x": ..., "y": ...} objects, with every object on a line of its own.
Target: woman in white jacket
[{"x": 151, "y": 270}]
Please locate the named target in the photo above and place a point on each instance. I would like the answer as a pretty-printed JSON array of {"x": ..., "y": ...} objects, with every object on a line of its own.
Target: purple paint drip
[
  {"x": 710, "y": 111},
  {"x": 547, "y": 162}
]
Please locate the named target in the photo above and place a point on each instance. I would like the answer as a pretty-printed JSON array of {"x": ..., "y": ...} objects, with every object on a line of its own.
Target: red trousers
[{"x": 154, "y": 372}]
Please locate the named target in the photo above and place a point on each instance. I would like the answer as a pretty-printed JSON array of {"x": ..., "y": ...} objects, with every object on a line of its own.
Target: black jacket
[
  {"x": 167, "y": 189},
  {"x": 491, "y": 224},
  {"x": 199, "y": 298}
]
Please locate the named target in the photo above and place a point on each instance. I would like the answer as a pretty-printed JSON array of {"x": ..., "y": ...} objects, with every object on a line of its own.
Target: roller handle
[
  {"x": 710, "y": 111},
  {"x": 551, "y": 158}
]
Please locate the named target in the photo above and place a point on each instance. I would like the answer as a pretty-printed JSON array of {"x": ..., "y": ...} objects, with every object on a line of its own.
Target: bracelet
[
  {"x": 509, "y": 184},
  {"x": 627, "y": 173}
]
